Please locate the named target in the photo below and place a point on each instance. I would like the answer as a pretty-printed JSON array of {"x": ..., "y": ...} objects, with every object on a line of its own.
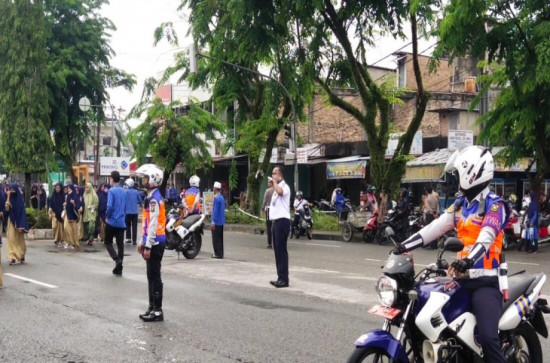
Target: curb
[{"x": 258, "y": 229}]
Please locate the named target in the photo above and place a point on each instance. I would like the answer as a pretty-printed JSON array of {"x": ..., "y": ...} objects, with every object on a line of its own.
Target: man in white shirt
[{"x": 279, "y": 214}]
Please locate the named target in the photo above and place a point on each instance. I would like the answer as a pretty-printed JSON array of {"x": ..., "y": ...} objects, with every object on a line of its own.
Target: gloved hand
[
  {"x": 463, "y": 265},
  {"x": 399, "y": 250}
]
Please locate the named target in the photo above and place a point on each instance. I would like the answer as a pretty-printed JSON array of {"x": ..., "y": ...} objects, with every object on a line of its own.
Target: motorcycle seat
[
  {"x": 190, "y": 220},
  {"x": 517, "y": 286}
]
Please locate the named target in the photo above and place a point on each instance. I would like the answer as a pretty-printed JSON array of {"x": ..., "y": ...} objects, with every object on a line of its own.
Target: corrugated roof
[{"x": 437, "y": 157}]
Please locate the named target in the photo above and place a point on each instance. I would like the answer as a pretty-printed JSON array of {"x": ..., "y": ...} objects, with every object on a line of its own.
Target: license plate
[{"x": 384, "y": 311}]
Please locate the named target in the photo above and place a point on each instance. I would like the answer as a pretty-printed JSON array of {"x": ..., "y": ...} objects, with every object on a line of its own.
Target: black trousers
[
  {"x": 153, "y": 267},
  {"x": 217, "y": 241},
  {"x": 487, "y": 308},
  {"x": 118, "y": 234},
  {"x": 268, "y": 224},
  {"x": 131, "y": 227},
  {"x": 281, "y": 229}
]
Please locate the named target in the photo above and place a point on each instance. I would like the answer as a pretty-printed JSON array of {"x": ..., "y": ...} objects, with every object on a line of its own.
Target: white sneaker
[
  {"x": 65, "y": 245},
  {"x": 71, "y": 247}
]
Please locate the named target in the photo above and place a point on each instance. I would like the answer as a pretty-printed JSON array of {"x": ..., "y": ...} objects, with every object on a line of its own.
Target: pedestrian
[
  {"x": 41, "y": 198},
  {"x": 383, "y": 207},
  {"x": 55, "y": 211},
  {"x": 115, "y": 223},
  {"x": 133, "y": 200},
  {"x": 279, "y": 213},
  {"x": 153, "y": 241},
  {"x": 431, "y": 211},
  {"x": 70, "y": 223},
  {"x": 102, "y": 209},
  {"x": 91, "y": 202},
  {"x": 2, "y": 213},
  {"x": 218, "y": 221},
  {"x": 268, "y": 194},
  {"x": 17, "y": 225},
  {"x": 171, "y": 194},
  {"x": 81, "y": 232},
  {"x": 479, "y": 217},
  {"x": 34, "y": 196}
]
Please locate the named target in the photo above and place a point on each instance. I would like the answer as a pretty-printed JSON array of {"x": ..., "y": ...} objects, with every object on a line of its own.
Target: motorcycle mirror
[
  {"x": 389, "y": 231},
  {"x": 453, "y": 244}
]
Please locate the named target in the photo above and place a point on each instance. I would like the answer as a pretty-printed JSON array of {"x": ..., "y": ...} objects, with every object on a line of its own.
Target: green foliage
[
  {"x": 38, "y": 219},
  {"x": 516, "y": 45},
  {"x": 170, "y": 137},
  {"x": 324, "y": 222},
  {"x": 233, "y": 175},
  {"x": 24, "y": 121},
  {"x": 31, "y": 216}
]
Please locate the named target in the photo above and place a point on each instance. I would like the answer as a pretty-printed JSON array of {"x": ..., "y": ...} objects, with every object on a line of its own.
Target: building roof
[{"x": 436, "y": 157}]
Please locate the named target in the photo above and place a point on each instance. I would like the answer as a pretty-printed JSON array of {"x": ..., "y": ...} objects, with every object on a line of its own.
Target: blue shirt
[
  {"x": 116, "y": 207},
  {"x": 132, "y": 200},
  {"x": 172, "y": 193},
  {"x": 218, "y": 210}
]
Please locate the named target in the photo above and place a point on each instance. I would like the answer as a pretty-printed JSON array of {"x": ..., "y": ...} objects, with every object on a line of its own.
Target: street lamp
[
  {"x": 84, "y": 105},
  {"x": 193, "y": 69}
]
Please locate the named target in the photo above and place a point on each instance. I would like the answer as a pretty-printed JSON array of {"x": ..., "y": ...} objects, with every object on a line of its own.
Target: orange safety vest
[
  {"x": 191, "y": 195},
  {"x": 161, "y": 226},
  {"x": 469, "y": 224}
]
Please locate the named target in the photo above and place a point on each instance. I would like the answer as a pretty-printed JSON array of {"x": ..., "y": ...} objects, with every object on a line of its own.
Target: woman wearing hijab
[
  {"x": 34, "y": 196},
  {"x": 102, "y": 209},
  {"x": 72, "y": 205},
  {"x": 81, "y": 233},
  {"x": 91, "y": 203},
  {"x": 17, "y": 225},
  {"x": 41, "y": 197},
  {"x": 55, "y": 210}
]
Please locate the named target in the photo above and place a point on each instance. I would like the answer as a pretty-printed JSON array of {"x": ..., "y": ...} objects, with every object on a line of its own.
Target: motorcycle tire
[
  {"x": 531, "y": 341},
  {"x": 347, "y": 232},
  {"x": 369, "y": 354},
  {"x": 381, "y": 237},
  {"x": 309, "y": 235},
  {"x": 507, "y": 241},
  {"x": 369, "y": 235},
  {"x": 192, "y": 252}
]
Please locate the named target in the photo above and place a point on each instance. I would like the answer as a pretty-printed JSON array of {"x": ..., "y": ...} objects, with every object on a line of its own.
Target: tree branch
[{"x": 339, "y": 102}]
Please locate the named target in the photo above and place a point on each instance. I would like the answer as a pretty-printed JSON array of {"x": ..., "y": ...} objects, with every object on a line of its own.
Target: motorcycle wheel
[
  {"x": 529, "y": 343},
  {"x": 309, "y": 235},
  {"x": 507, "y": 241},
  {"x": 347, "y": 232},
  {"x": 369, "y": 354},
  {"x": 195, "y": 247},
  {"x": 381, "y": 237},
  {"x": 368, "y": 235}
]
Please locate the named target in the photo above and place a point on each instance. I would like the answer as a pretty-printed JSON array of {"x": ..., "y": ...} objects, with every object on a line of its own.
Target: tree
[
  {"x": 353, "y": 25},
  {"x": 26, "y": 145},
  {"x": 513, "y": 39},
  {"x": 78, "y": 65},
  {"x": 260, "y": 36},
  {"x": 171, "y": 137}
]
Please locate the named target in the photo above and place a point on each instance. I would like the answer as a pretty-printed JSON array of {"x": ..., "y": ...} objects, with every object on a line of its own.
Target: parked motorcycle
[
  {"x": 394, "y": 223},
  {"x": 433, "y": 318},
  {"x": 305, "y": 224},
  {"x": 184, "y": 234},
  {"x": 512, "y": 230},
  {"x": 416, "y": 222},
  {"x": 369, "y": 232}
]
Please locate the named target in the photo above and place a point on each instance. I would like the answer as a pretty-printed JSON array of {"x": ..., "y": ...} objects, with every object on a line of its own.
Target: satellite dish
[{"x": 84, "y": 104}]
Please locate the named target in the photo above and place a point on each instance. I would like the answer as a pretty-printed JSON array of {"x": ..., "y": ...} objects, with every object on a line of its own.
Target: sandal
[
  {"x": 12, "y": 262},
  {"x": 23, "y": 260}
]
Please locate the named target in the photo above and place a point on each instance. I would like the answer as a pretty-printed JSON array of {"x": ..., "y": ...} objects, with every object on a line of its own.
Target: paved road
[{"x": 74, "y": 309}]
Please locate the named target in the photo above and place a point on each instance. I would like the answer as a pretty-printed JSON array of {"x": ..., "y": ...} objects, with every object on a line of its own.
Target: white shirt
[
  {"x": 299, "y": 204},
  {"x": 280, "y": 204}
]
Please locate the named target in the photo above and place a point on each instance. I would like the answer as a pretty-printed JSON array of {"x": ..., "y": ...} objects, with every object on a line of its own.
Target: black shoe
[
  {"x": 269, "y": 246},
  {"x": 147, "y": 313},
  {"x": 279, "y": 284},
  {"x": 218, "y": 257},
  {"x": 128, "y": 241},
  {"x": 154, "y": 315},
  {"x": 133, "y": 243},
  {"x": 118, "y": 268}
]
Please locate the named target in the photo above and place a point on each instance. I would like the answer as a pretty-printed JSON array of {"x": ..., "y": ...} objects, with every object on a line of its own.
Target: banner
[
  {"x": 207, "y": 202},
  {"x": 347, "y": 169},
  {"x": 458, "y": 140},
  {"x": 416, "y": 146},
  {"x": 109, "y": 164}
]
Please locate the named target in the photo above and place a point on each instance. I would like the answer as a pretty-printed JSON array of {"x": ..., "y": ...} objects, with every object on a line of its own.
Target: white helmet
[
  {"x": 475, "y": 167},
  {"x": 153, "y": 172},
  {"x": 129, "y": 182},
  {"x": 194, "y": 181}
]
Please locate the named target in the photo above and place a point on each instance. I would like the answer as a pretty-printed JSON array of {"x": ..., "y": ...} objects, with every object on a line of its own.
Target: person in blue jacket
[
  {"x": 115, "y": 223},
  {"x": 218, "y": 221},
  {"x": 133, "y": 200}
]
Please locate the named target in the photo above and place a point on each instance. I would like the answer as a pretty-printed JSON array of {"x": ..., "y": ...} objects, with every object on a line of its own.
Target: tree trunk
[{"x": 28, "y": 189}]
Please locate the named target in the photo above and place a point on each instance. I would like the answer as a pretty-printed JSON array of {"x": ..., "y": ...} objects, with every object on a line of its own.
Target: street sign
[
  {"x": 458, "y": 140},
  {"x": 84, "y": 104},
  {"x": 109, "y": 164}
]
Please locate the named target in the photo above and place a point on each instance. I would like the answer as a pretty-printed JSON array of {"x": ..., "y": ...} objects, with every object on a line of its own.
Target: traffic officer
[
  {"x": 154, "y": 238},
  {"x": 479, "y": 216}
]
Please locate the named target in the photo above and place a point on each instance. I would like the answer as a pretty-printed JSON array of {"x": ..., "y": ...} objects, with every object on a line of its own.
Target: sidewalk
[{"x": 257, "y": 229}]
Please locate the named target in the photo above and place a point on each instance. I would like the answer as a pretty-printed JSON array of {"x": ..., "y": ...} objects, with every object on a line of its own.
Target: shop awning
[
  {"x": 352, "y": 167},
  {"x": 428, "y": 167}
]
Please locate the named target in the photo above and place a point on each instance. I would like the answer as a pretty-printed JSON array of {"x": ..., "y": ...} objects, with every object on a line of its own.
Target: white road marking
[
  {"x": 31, "y": 280},
  {"x": 373, "y": 259},
  {"x": 314, "y": 244},
  {"x": 524, "y": 263}
]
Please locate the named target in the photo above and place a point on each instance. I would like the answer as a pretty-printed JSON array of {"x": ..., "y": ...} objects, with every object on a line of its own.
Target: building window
[
  {"x": 106, "y": 141},
  {"x": 402, "y": 72}
]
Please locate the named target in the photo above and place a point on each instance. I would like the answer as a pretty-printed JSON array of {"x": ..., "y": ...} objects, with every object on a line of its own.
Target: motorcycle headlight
[{"x": 387, "y": 290}]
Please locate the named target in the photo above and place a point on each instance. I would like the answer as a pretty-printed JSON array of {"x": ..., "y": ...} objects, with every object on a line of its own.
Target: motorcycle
[
  {"x": 433, "y": 318},
  {"x": 416, "y": 221},
  {"x": 512, "y": 229},
  {"x": 392, "y": 221},
  {"x": 304, "y": 225},
  {"x": 369, "y": 232},
  {"x": 184, "y": 234}
]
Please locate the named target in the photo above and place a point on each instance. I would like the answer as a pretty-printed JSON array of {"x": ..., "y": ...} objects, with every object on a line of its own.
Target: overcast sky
[{"x": 136, "y": 21}]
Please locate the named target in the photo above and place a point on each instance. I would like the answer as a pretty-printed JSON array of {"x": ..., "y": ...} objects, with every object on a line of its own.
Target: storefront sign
[
  {"x": 416, "y": 146},
  {"x": 208, "y": 201},
  {"x": 301, "y": 155},
  {"x": 520, "y": 165},
  {"x": 460, "y": 139},
  {"x": 347, "y": 170},
  {"x": 109, "y": 164}
]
